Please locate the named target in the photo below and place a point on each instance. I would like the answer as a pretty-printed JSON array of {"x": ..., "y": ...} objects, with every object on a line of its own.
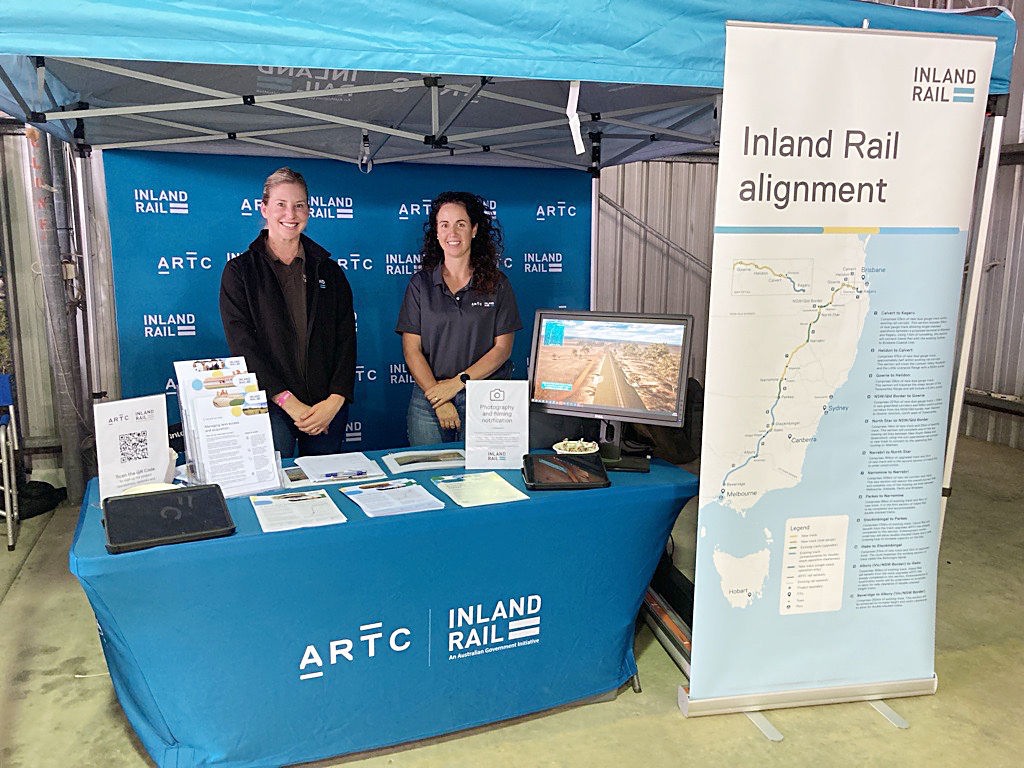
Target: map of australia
[{"x": 791, "y": 323}]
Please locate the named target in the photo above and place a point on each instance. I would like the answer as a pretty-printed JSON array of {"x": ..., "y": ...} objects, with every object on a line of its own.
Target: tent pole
[
  {"x": 993, "y": 134},
  {"x": 68, "y": 257},
  {"x": 67, "y": 417},
  {"x": 595, "y": 201}
]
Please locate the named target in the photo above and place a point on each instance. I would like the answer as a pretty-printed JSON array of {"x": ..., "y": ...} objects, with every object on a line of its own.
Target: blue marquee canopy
[{"x": 666, "y": 54}]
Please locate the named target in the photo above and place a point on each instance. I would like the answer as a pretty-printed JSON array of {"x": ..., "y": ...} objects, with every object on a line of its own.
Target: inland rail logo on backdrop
[
  {"x": 320, "y": 207},
  {"x": 166, "y": 326},
  {"x": 493, "y": 627},
  {"x": 189, "y": 262},
  {"x": 557, "y": 210},
  {"x": 354, "y": 432},
  {"x": 398, "y": 373},
  {"x": 536, "y": 261},
  {"x": 945, "y": 85},
  {"x": 402, "y": 263},
  {"x": 161, "y": 201}
]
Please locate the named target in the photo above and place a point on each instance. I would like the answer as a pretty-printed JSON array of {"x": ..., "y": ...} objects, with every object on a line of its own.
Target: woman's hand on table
[
  {"x": 442, "y": 392},
  {"x": 317, "y": 418},
  {"x": 447, "y": 416}
]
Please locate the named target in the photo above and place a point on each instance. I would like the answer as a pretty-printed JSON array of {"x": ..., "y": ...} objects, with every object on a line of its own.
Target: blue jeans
[
  {"x": 425, "y": 429},
  {"x": 287, "y": 436}
]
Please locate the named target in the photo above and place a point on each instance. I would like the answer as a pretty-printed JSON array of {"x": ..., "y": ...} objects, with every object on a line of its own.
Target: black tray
[{"x": 144, "y": 520}]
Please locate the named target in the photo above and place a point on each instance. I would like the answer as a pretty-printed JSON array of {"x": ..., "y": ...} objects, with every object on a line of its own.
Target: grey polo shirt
[
  {"x": 457, "y": 330},
  {"x": 292, "y": 278}
]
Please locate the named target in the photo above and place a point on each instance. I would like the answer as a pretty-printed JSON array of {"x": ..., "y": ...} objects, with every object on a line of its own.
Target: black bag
[{"x": 37, "y": 498}]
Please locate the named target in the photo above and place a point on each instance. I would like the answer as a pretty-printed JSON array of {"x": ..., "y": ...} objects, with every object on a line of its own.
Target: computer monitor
[{"x": 613, "y": 366}]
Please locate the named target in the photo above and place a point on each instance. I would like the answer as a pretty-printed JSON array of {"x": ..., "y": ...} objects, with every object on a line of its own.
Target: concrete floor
[{"x": 57, "y": 707}]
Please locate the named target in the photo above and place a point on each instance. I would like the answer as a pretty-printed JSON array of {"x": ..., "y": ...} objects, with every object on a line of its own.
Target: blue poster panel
[{"x": 176, "y": 219}]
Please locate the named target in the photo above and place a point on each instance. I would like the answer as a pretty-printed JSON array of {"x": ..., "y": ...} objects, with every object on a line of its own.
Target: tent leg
[
  {"x": 993, "y": 134},
  {"x": 595, "y": 201}
]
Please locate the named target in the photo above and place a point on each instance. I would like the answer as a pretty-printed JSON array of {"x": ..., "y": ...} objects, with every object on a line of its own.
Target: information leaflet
[
  {"x": 847, "y": 166},
  {"x": 497, "y": 424},
  {"x": 131, "y": 443}
]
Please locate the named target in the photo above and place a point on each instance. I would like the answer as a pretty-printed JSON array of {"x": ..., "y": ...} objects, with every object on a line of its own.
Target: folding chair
[{"x": 8, "y": 445}]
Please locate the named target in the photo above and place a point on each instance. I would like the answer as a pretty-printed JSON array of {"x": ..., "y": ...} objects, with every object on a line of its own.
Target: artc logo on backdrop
[
  {"x": 161, "y": 201},
  {"x": 191, "y": 261},
  {"x": 420, "y": 209},
  {"x": 558, "y": 210},
  {"x": 320, "y": 207},
  {"x": 355, "y": 263}
]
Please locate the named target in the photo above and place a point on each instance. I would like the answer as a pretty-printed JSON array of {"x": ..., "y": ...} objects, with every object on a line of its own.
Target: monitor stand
[{"x": 610, "y": 450}]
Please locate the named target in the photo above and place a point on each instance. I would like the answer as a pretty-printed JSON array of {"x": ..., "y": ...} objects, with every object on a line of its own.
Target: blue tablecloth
[{"x": 418, "y": 624}]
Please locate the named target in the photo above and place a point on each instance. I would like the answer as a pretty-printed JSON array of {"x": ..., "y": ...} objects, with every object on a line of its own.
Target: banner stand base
[
  {"x": 809, "y": 697},
  {"x": 770, "y": 731},
  {"x": 889, "y": 713}
]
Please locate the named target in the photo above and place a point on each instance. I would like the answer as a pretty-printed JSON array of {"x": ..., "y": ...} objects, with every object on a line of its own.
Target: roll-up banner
[
  {"x": 176, "y": 219},
  {"x": 847, "y": 166}
]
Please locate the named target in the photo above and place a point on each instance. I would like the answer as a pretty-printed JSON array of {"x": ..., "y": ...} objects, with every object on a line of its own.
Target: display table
[{"x": 268, "y": 649}]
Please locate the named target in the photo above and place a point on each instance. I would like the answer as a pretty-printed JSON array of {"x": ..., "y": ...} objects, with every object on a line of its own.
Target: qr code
[{"x": 133, "y": 446}]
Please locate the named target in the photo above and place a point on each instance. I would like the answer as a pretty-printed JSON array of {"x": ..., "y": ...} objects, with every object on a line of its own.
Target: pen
[{"x": 346, "y": 473}]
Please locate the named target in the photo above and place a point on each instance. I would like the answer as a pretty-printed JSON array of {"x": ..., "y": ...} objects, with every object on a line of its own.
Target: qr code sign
[{"x": 133, "y": 446}]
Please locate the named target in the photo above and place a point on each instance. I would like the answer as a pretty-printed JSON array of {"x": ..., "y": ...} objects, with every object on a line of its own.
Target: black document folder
[{"x": 144, "y": 520}]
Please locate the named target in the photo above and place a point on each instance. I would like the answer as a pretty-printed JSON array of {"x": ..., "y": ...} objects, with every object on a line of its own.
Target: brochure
[
  {"x": 298, "y": 509},
  {"x": 478, "y": 489},
  {"x": 236, "y": 445},
  {"x": 392, "y": 497},
  {"x": 416, "y": 461},
  {"x": 226, "y": 424}
]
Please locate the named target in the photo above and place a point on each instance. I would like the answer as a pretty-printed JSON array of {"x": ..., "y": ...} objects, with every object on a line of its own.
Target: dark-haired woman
[
  {"x": 458, "y": 319},
  {"x": 287, "y": 307}
]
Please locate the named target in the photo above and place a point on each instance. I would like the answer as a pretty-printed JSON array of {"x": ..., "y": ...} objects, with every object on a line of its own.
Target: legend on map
[{"x": 813, "y": 564}]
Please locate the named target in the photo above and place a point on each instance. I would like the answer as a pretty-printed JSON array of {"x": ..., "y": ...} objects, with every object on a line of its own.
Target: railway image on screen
[{"x": 603, "y": 364}]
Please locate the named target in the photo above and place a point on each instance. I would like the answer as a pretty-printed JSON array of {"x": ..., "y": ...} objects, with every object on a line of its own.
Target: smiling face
[
  {"x": 455, "y": 232},
  {"x": 286, "y": 211}
]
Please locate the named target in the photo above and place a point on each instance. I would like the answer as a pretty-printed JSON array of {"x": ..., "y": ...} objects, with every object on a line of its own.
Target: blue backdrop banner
[{"x": 176, "y": 219}]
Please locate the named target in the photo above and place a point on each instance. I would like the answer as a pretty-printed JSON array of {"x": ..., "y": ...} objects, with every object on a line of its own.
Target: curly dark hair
[{"x": 485, "y": 248}]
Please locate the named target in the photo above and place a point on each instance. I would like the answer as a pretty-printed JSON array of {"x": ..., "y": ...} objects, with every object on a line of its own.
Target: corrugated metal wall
[
  {"x": 637, "y": 271},
  {"x": 997, "y": 356}
]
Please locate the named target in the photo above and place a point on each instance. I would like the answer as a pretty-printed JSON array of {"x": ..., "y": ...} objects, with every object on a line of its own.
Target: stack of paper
[
  {"x": 478, "y": 489},
  {"x": 226, "y": 423},
  {"x": 340, "y": 468},
  {"x": 301, "y": 509},
  {"x": 393, "y": 497}
]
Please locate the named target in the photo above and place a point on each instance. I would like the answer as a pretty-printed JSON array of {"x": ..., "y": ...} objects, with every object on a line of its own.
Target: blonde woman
[{"x": 287, "y": 308}]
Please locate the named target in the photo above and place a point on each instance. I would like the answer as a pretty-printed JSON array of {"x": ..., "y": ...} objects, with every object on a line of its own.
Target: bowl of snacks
[{"x": 575, "y": 446}]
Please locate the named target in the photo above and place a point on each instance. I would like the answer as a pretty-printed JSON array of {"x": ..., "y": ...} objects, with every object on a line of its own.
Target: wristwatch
[{"x": 463, "y": 377}]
